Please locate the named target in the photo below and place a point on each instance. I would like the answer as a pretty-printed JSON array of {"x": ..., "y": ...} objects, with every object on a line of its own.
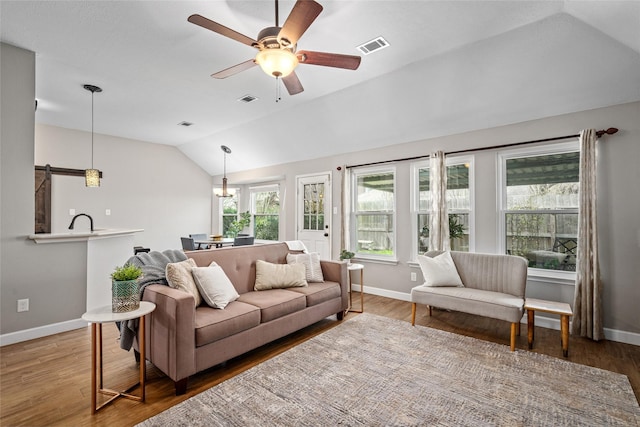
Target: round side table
[
  {"x": 355, "y": 267},
  {"x": 102, "y": 315}
]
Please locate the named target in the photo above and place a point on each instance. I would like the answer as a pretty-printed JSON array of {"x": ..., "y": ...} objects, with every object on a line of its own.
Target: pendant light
[
  {"x": 225, "y": 192},
  {"x": 92, "y": 176}
]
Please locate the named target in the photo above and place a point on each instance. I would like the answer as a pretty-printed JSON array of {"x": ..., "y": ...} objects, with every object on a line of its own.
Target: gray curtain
[
  {"x": 439, "y": 218},
  {"x": 587, "y": 303}
]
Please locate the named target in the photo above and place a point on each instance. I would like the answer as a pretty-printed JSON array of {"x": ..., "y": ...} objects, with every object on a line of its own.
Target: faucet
[{"x": 81, "y": 214}]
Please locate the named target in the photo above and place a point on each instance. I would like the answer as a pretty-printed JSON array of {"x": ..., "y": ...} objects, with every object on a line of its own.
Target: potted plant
[
  {"x": 125, "y": 295},
  {"x": 238, "y": 225},
  {"x": 345, "y": 254}
]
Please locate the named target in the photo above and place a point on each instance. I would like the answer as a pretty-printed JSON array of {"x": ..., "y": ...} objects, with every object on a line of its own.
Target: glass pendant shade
[
  {"x": 277, "y": 62},
  {"x": 92, "y": 178}
]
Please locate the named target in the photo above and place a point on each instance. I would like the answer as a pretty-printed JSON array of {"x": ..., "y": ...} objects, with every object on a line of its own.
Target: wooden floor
[{"x": 46, "y": 382}]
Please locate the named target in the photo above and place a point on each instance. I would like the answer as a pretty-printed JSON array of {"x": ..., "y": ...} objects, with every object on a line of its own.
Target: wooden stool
[{"x": 560, "y": 308}]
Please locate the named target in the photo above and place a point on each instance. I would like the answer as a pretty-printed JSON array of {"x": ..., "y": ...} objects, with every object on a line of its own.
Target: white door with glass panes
[{"x": 313, "y": 213}]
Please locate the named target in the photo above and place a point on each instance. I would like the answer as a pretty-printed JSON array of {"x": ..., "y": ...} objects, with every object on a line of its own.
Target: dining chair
[
  {"x": 200, "y": 236},
  {"x": 187, "y": 244},
  {"x": 243, "y": 240}
]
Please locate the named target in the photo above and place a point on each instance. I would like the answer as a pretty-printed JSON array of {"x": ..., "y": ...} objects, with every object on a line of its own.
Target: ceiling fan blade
[
  {"x": 234, "y": 70},
  {"x": 221, "y": 29},
  {"x": 350, "y": 62},
  {"x": 292, "y": 83},
  {"x": 304, "y": 12}
]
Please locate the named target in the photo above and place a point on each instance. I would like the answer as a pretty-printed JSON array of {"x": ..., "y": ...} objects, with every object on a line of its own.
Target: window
[
  {"x": 265, "y": 212},
  {"x": 459, "y": 203},
  {"x": 229, "y": 206},
  {"x": 373, "y": 211},
  {"x": 539, "y": 205}
]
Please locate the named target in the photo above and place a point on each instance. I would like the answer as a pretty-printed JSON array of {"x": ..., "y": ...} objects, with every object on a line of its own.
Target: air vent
[
  {"x": 373, "y": 45},
  {"x": 247, "y": 98},
  {"x": 185, "y": 124}
]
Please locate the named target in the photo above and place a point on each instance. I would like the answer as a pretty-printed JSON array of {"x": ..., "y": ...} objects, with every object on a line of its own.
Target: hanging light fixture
[
  {"x": 92, "y": 176},
  {"x": 224, "y": 192},
  {"x": 277, "y": 63}
]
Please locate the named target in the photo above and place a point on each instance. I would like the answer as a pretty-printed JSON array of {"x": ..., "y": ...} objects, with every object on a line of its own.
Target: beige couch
[
  {"x": 494, "y": 286},
  {"x": 182, "y": 339}
]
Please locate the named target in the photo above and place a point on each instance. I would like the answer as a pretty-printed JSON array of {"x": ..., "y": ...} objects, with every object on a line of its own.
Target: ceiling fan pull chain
[{"x": 278, "y": 90}]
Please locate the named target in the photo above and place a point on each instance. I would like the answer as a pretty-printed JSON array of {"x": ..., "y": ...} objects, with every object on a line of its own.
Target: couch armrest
[
  {"x": 336, "y": 271},
  {"x": 170, "y": 332}
]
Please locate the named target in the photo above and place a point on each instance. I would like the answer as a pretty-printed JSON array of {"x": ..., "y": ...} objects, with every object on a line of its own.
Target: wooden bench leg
[
  {"x": 413, "y": 314},
  {"x": 514, "y": 328},
  {"x": 564, "y": 332}
]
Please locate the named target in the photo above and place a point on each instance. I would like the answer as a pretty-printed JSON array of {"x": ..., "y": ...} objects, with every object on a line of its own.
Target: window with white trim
[
  {"x": 228, "y": 211},
  {"x": 373, "y": 212},
  {"x": 265, "y": 212},
  {"x": 539, "y": 205},
  {"x": 459, "y": 204}
]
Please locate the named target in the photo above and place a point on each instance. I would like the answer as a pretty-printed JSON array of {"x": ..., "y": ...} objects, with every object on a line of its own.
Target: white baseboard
[
  {"x": 544, "y": 322},
  {"x": 41, "y": 331}
]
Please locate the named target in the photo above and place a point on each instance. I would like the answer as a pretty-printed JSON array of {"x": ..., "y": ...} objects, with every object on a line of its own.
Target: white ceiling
[{"x": 452, "y": 66}]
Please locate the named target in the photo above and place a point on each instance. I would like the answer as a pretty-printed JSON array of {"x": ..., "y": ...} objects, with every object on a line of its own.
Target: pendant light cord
[{"x": 92, "y": 93}]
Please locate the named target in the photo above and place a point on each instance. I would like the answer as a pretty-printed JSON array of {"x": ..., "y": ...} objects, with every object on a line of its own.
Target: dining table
[{"x": 217, "y": 243}]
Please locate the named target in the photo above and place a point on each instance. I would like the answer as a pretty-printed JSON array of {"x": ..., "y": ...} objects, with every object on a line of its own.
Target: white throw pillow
[
  {"x": 214, "y": 286},
  {"x": 439, "y": 270},
  {"x": 311, "y": 263},
  {"x": 279, "y": 276},
  {"x": 179, "y": 277}
]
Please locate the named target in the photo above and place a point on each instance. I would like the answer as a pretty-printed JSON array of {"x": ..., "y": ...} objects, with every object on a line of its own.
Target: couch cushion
[
  {"x": 279, "y": 276},
  {"x": 496, "y": 305},
  {"x": 215, "y": 287},
  {"x": 274, "y": 303},
  {"x": 317, "y": 293},
  {"x": 179, "y": 277},
  {"x": 311, "y": 264},
  {"x": 439, "y": 270},
  {"x": 212, "y": 325}
]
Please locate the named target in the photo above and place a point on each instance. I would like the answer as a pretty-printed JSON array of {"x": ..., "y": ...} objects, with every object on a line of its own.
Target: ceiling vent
[
  {"x": 185, "y": 124},
  {"x": 373, "y": 45},
  {"x": 247, "y": 98}
]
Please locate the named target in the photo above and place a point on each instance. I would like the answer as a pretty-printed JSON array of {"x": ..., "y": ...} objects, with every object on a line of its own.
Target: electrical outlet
[
  {"x": 72, "y": 212},
  {"x": 23, "y": 305},
  {"x": 107, "y": 212},
  {"x": 413, "y": 276}
]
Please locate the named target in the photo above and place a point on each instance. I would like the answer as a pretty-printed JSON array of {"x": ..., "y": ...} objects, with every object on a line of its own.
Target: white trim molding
[{"x": 41, "y": 331}]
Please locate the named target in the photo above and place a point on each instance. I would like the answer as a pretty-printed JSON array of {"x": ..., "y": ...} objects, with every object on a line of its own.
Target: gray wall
[
  {"x": 145, "y": 185},
  {"x": 619, "y": 205}
]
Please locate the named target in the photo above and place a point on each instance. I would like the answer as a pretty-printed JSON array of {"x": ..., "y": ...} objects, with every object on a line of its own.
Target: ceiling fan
[{"x": 277, "y": 54}]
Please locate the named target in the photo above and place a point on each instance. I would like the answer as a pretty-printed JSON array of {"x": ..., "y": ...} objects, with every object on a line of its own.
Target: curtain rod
[{"x": 599, "y": 133}]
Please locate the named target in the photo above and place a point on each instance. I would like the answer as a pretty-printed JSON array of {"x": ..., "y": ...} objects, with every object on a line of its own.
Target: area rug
[{"x": 376, "y": 371}]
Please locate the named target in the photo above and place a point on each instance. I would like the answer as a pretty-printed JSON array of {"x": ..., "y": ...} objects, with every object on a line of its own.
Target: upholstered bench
[{"x": 484, "y": 284}]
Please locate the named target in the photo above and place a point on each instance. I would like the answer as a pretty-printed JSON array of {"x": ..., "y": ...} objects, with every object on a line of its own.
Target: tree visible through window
[
  {"x": 265, "y": 208},
  {"x": 229, "y": 211},
  {"x": 540, "y": 208}
]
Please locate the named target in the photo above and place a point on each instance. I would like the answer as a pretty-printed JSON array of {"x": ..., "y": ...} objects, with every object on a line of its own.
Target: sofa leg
[
  {"x": 514, "y": 328},
  {"x": 181, "y": 386},
  {"x": 430, "y": 312},
  {"x": 340, "y": 315},
  {"x": 136, "y": 354},
  {"x": 413, "y": 314}
]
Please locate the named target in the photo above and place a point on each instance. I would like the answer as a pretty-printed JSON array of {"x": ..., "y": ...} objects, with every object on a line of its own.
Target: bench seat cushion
[
  {"x": 497, "y": 305},
  {"x": 275, "y": 303},
  {"x": 317, "y": 293},
  {"x": 214, "y": 324}
]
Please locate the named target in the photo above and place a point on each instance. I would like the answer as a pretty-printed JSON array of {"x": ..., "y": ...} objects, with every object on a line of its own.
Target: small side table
[
  {"x": 563, "y": 309},
  {"x": 355, "y": 267},
  {"x": 102, "y": 315}
]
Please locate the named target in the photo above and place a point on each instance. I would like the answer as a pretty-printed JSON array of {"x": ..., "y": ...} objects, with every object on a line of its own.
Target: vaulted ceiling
[{"x": 452, "y": 66}]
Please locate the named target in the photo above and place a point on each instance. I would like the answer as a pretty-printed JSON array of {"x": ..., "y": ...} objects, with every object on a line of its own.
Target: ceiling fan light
[{"x": 277, "y": 62}]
